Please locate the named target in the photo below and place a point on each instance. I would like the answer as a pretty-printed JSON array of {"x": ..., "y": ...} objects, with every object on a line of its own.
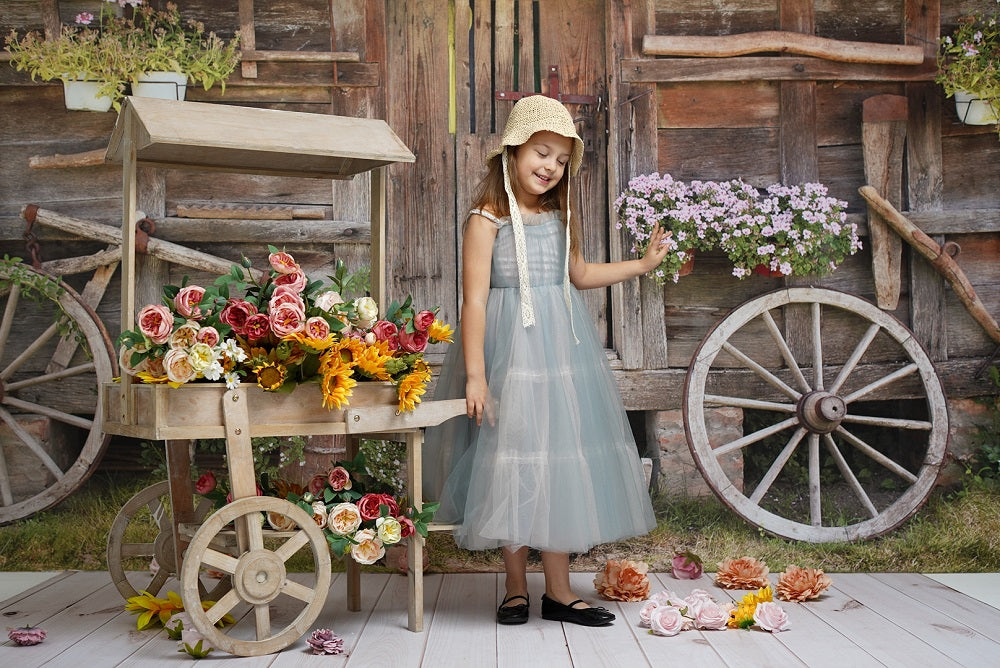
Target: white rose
[
  {"x": 770, "y": 617},
  {"x": 327, "y": 300},
  {"x": 646, "y": 611},
  {"x": 389, "y": 530},
  {"x": 367, "y": 312}
]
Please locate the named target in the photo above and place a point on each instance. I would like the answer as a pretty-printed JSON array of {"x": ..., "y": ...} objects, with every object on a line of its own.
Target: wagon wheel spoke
[
  {"x": 219, "y": 560},
  {"x": 47, "y": 411},
  {"x": 137, "y": 550},
  {"x": 815, "y": 489},
  {"x": 743, "y": 402},
  {"x": 160, "y": 515},
  {"x": 292, "y": 545},
  {"x": 8, "y": 316},
  {"x": 758, "y": 435},
  {"x": 882, "y": 382},
  {"x": 29, "y": 352},
  {"x": 786, "y": 352},
  {"x": 296, "y": 590},
  {"x": 263, "y": 619},
  {"x": 876, "y": 455},
  {"x": 848, "y": 474},
  {"x": 223, "y": 606},
  {"x": 6, "y": 493},
  {"x": 896, "y": 423},
  {"x": 32, "y": 444},
  {"x": 49, "y": 377},
  {"x": 776, "y": 467},
  {"x": 761, "y": 371},
  {"x": 817, "y": 347},
  {"x": 856, "y": 355},
  {"x": 158, "y": 580}
]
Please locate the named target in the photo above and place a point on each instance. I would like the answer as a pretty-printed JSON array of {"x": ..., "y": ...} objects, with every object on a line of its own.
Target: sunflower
[
  {"x": 413, "y": 386},
  {"x": 741, "y": 617},
  {"x": 335, "y": 379},
  {"x": 270, "y": 375},
  {"x": 310, "y": 344},
  {"x": 439, "y": 331},
  {"x": 350, "y": 349},
  {"x": 371, "y": 363}
]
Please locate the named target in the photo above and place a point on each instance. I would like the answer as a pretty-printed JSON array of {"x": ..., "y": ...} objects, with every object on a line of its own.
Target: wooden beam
[
  {"x": 300, "y": 56},
  {"x": 767, "y": 68},
  {"x": 248, "y": 38},
  {"x": 784, "y": 41}
]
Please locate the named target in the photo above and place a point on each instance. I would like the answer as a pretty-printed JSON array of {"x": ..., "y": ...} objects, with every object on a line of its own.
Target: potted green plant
[
  {"x": 170, "y": 51},
  {"x": 90, "y": 58},
  {"x": 969, "y": 68}
]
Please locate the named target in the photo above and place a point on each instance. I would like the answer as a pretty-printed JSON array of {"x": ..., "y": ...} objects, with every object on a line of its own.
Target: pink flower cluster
[
  {"x": 400, "y": 339},
  {"x": 667, "y": 613}
]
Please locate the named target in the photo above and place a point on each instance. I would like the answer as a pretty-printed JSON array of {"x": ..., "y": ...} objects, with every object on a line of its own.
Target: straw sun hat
[{"x": 530, "y": 115}]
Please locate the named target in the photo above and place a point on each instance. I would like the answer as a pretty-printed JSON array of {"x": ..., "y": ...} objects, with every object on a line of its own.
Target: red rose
[
  {"x": 423, "y": 320},
  {"x": 206, "y": 483},
  {"x": 413, "y": 343},
  {"x": 384, "y": 330},
  {"x": 257, "y": 327},
  {"x": 339, "y": 479},
  {"x": 235, "y": 314},
  {"x": 406, "y": 525},
  {"x": 369, "y": 504}
]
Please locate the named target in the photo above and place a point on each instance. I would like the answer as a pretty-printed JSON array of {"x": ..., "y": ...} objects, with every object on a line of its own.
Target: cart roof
[{"x": 221, "y": 137}]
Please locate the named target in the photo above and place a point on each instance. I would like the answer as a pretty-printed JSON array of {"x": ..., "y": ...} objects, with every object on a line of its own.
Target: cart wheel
[
  {"x": 50, "y": 377},
  {"x": 259, "y": 576},
  {"x": 875, "y": 467},
  {"x": 147, "y": 512}
]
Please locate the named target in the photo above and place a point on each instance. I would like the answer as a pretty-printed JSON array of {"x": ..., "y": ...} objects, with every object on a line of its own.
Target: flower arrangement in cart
[{"x": 278, "y": 329}]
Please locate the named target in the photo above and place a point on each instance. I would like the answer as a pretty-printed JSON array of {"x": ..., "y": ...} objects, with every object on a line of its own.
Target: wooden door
[{"x": 446, "y": 62}]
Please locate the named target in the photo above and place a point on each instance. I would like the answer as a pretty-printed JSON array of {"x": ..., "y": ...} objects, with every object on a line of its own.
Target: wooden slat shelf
[{"x": 764, "y": 68}]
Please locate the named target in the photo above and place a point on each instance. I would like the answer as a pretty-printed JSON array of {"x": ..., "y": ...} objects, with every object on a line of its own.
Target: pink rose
[
  {"x": 369, "y": 504},
  {"x": 236, "y": 313},
  {"x": 339, "y": 479},
  {"x": 285, "y": 295},
  {"x": 423, "y": 320},
  {"x": 283, "y": 263},
  {"x": 413, "y": 343},
  {"x": 296, "y": 280},
  {"x": 407, "y": 526},
  {"x": 317, "y": 327},
  {"x": 206, "y": 483},
  {"x": 157, "y": 322},
  {"x": 257, "y": 327},
  {"x": 709, "y": 615},
  {"x": 209, "y": 336},
  {"x": 666, "y": 620},
  {"x": 187, "y": 299},
  {"x": 178, "y": 366},
  {"x": 317, "y": 484},
  {"x": 385, "y": 330},
  {"x": 770, "y": 617},
  {"x": 685, "y": 567},
  {"x": 646, "y": 611},
  {"x": 287, "y": 319}
]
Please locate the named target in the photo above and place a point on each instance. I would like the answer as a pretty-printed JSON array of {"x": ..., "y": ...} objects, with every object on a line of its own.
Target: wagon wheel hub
[
  {"x": 821, "y": 412},
  {"x": 259, "y": 577}
]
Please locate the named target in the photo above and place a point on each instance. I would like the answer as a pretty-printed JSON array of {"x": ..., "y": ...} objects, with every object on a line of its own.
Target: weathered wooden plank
[
  {"x": 965, "y": 610},
  {"x": 767, "y": 68},
  {"x": 245, "y": 188},
  {"x": 675, "y": 17},
  {"x": 720, "y": 154},
  {"x": 465, "y": 630},
  {"x": 387, "y": 627},
  {"x": 546, "y": 642},
  {"x": 970, "y": 172},
  {"x": 481, "y": 72},
  {"x": 705, "y": 105},
  {"x": 603, "y": 647}
]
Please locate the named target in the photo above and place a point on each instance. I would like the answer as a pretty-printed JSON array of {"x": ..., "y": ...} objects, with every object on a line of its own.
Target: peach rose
[
  {"x": 296, "y": 280},
  {"x": 742, "y": 573},
  {"x": 283, "y": 263},
  {"x": 187, "y": 299},
  {"x": 156, "y": 322},
  {"x": 623, "y": 580},
  {"x": 178, "y": 366},
  {"x": 280, "y": 522},
  {"x": 327, "y": 300},
  {"x": 209, "y": 336},
  {"x": 285, "y": 295},
  {"x": 802, "y": 584},
  {"x": 287, "y": 319},
  {"x": 125, "y": 361},
  {"x": 317, "y": 327},
  {"x": 343, "y": 519},
  {"x": 368, "y": 549},
  {"x": 319, "y": 514}
]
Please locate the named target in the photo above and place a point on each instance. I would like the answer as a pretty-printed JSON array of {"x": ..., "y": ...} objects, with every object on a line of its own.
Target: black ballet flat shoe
[
  {"x": 558, "y": 612},
  {"x": 513, "y": 614}
]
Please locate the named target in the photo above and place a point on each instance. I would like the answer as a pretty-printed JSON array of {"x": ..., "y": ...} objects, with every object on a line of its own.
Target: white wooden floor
[{"x": 864, "y": 620}]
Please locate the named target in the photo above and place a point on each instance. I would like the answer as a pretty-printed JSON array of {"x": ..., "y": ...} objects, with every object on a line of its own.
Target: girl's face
[{"x": 540, "y": 162}]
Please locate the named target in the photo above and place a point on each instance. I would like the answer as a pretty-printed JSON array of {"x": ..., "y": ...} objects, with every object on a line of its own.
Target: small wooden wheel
[
  {"x": 147, "y": 512},
  {"x": 258, "y": 574},
  {"x": 866, "y": 467},
  {"x": 55, "y": 375}
]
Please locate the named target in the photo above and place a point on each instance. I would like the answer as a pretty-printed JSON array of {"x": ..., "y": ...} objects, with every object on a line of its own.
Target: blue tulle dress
[{"x": 559, "y": 469}]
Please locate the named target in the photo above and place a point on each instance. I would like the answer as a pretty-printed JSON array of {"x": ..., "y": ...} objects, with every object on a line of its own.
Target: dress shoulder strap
[{"x": 488, "y": 216}]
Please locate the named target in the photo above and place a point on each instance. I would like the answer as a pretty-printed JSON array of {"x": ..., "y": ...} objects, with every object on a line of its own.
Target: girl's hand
[
  {"x": 655, "y": 250},
  {"x": 478, "y": 402}
]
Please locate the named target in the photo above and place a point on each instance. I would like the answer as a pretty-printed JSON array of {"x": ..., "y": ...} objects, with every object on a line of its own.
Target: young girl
[{"x": 547, "y": 459}]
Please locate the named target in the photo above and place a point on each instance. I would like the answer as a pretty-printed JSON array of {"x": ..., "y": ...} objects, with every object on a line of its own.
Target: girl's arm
[
  {"x": 586, "y": 275},
  {"x": 477, "y": 259}
]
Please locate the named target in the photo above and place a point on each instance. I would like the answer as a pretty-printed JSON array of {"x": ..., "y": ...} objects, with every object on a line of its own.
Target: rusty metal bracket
[
  {"x": 30, "y": 238},
  {"x": 144, "y": 229}
]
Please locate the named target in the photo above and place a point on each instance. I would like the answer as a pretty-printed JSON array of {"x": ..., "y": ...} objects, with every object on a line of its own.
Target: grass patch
[{"x": 956, "y": 531}]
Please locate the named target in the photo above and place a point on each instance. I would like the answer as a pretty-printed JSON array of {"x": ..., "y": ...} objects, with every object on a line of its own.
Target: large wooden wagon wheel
[
  {"x": 66, "y": 356},
  {"x": 258, "y": 574},
  {"x": 853, "y": 428},
  {"x": 149, "y": 513}
]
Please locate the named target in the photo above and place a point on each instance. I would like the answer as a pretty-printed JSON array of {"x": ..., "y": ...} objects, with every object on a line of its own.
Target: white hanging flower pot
[
  {"x": 973, "y": 110},
  {"x": 82, "y": 95},
  {"x": 164, "y": 85}
]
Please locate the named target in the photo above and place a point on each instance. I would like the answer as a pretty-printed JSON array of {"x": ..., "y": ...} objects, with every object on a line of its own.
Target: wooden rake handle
[{"x": 938, "y": 258}]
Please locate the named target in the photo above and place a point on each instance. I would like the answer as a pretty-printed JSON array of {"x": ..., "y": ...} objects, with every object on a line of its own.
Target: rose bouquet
[
  {"x": 357, "y": 516},
  {"x": 279, "y": 329}
]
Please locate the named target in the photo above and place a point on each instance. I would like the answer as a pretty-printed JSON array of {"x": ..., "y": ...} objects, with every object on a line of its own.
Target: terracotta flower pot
[
  {"x": 764, "y": 270},
  {"x": 688, "y": 266}
]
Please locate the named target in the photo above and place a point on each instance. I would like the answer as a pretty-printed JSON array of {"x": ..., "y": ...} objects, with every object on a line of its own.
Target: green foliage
[
  {"x": 969, "y": 58},
  {"x": 42, "y": 289}
]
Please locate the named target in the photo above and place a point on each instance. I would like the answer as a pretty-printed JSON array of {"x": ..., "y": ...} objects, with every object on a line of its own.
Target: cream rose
[
  {"x": 389, "y": 530},
  {"x": 201, "y": 357},
  {"x": 327, "y": 300},
  {"x": 344, "y": 518},
  {"x": 369, "y": 548},
  {"x": 185, "y": 336},
  {"x": 367, "y": 312},
  {"x": 320, "y": 516},
  {"x": 178, "y": 366},
  {"x": 156, "y": 322},
  {"x": 125, "y": 361}
]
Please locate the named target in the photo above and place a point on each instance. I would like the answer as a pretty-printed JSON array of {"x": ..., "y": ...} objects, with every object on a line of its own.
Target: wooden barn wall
[{"x": 654, "y": 114}]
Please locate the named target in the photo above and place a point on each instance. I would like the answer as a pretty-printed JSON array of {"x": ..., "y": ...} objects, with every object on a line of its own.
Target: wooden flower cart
[{"x": 191, "y": 135}]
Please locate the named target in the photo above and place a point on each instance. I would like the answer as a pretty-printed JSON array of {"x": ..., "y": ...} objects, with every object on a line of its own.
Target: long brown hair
[{"x": 491, "y": 196}]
